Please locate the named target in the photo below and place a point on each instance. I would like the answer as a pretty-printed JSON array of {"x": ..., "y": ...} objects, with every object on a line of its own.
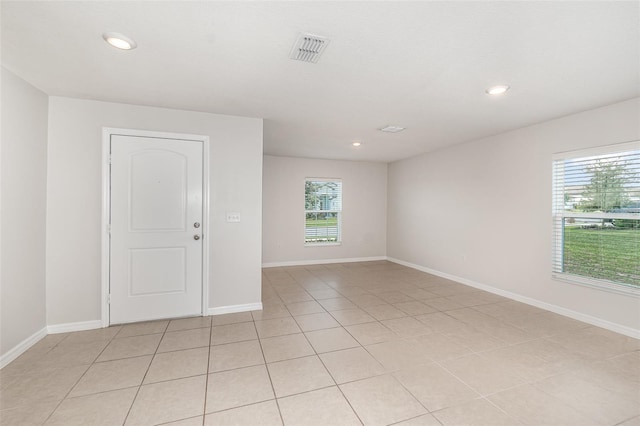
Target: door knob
[
  {"x": 196, "y": 237},
  {"x": 196, "y": 225}
]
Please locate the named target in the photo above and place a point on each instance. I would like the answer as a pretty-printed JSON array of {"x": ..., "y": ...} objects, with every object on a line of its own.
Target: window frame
[
  {"x": 559, "y": 215},
  {"x": 338, "y": 214}
]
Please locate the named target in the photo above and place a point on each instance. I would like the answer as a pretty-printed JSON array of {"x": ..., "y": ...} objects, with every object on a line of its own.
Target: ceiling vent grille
[
  {"x": 308, "y": 48},
  {"x": 392, "y": 129}
]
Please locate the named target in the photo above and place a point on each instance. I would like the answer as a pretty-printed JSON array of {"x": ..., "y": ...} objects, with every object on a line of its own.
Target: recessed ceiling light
[
  {"x": 392, "y": 129},
  {"x": 497, "y": 90},
  {"x": 356, "y": 143},
  {"x": 119, "y": 40}
]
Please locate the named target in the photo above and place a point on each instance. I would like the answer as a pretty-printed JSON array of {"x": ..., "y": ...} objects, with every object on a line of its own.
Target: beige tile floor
[{"x": 363, "y": 343}]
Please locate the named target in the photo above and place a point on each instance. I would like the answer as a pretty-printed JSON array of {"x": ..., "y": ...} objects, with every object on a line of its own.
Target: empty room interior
[{"x": 320, "y": 213}]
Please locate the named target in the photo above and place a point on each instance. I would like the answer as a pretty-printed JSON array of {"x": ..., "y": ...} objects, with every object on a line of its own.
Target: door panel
[
  {"x": 157, "y": 271},
  {"x": 156, "y": 198},
  {"x": 158, "y": 188}
]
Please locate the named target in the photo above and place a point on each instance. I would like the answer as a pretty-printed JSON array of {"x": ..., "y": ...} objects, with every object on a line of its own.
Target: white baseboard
[
  {"x": 598, "y": 322},
  {"x": 22, "y": 347},
  {"x": 323, "y": 261},
  {"x": 232, "y": 309},
  {"x": 74, "y": 326}
]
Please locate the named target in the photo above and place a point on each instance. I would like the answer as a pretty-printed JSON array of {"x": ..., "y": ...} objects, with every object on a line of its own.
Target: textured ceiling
[{"x": 421, "y": 65}]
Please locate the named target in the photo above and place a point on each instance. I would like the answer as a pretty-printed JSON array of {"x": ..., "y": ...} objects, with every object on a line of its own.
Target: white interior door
[{"x": 156, "y": 233}]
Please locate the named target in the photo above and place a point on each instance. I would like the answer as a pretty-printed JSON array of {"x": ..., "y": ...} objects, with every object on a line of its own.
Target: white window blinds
[{"x": 596, "y": 214}]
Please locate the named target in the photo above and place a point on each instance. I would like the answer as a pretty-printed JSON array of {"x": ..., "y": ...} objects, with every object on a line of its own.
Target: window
[
  {"x": 596, "y": 214},
  {"x": 323, "y": 208}
]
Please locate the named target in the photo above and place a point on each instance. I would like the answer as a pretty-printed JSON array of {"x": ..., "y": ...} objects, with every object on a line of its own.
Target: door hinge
[{"x": 109, "y": 160}]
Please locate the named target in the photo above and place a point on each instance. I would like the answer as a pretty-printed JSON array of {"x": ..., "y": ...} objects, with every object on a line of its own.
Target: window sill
[
  {"x": 322, "y": 244},
  {"x": 603, "y": 285}
]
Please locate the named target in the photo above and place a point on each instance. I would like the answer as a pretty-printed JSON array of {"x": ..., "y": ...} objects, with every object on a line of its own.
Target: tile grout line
[
  {"x": 145, "y": 374},
  {"x": 331, "y": 375},
  {"x": 501, "y": 409},
  {"x": 81, "y": 376},
  {"x": 206, "y": 383},
  {"x": 275, "y": 396}
]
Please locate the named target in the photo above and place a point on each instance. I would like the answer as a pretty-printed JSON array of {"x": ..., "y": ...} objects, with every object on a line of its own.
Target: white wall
[
  {"x": 482, "y": 210},
  {"x": 74, "y": 201},
  {"x": 23, "y": 211},
  {"x": 364, "y": 205}
]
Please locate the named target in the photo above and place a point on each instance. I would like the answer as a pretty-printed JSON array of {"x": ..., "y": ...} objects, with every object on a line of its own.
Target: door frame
[{"x": 107, "y": 132}]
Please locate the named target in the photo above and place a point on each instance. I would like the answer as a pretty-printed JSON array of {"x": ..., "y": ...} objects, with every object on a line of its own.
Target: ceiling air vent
[
  {"x": 392, "y": 129},
  {"x": 308, "y": 48}
]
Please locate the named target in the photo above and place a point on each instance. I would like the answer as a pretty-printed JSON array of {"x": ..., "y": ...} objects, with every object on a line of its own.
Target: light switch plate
[{"x": 233, "y": 217}]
